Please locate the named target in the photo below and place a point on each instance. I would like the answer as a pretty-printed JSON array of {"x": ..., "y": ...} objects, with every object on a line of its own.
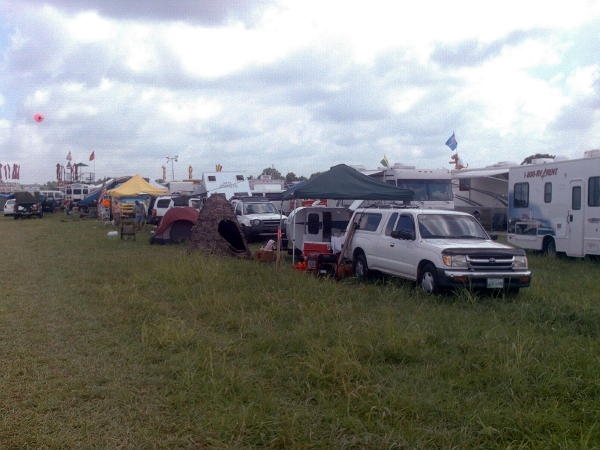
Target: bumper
[
  {"x": 261, "y": 230},
  {"x": 483, "y": 280}
]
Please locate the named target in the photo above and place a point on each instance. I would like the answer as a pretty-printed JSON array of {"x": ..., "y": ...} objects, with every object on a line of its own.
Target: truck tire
[
  {"x": 361, "y": 268},
  {"x": 428, "y": 281}
]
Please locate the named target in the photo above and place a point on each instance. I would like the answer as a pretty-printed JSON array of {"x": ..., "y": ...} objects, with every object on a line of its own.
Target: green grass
[{"x": 120, "y": 344}]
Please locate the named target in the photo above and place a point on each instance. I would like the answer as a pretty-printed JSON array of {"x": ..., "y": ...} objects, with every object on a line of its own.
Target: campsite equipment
[
  {"x": 127, "y": 228},
  {"x": 175, "y": 226}
]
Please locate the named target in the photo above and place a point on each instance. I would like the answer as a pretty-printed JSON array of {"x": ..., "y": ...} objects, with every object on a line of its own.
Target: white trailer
[{"x": 554, "y": 205}]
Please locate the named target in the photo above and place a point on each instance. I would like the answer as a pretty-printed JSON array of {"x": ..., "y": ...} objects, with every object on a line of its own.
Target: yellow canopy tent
[{"x": 136, "y": 185}]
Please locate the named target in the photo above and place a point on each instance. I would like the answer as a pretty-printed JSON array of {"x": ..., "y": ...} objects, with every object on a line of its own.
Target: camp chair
[{"x": 127, "y": 228}]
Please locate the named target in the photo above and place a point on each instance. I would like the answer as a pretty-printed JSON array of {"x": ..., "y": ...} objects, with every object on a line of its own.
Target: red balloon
[{"x": 38, "y": 117}]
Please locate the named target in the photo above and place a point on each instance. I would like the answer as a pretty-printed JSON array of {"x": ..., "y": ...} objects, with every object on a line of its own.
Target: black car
[{"x": 28, "y": 204}]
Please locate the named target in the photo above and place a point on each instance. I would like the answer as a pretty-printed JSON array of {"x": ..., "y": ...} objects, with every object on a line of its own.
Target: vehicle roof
[{"x": 415, "y": 211}]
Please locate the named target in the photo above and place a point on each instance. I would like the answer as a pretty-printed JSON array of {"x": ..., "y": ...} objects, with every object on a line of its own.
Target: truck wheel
[
  {"x": 428, "y": 281},
  {"x": 361, "y": 269},
  {"x": 549, "y": 248}
]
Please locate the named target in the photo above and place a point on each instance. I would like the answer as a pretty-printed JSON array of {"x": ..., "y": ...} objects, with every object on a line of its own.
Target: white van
[{"x": 57, "y": 196}]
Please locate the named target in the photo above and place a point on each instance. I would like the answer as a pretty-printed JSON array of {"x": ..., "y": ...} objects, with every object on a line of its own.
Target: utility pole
[{"x": 172, "y": 159}]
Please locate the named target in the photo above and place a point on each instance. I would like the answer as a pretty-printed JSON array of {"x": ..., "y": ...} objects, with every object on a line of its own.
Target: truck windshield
[
  {"x": 450, "y": 226},
  {"x": 260, "y": 208}
]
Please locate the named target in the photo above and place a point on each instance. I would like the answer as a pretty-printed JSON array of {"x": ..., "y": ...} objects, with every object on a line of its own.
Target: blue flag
[{"x": 451, "y": 142}]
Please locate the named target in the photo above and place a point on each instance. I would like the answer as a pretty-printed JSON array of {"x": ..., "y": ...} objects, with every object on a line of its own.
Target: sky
[{"x": 296, "y": 85}]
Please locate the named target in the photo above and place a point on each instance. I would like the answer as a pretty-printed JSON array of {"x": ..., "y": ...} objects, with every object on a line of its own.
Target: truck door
[{"x": 575, "y": 220}]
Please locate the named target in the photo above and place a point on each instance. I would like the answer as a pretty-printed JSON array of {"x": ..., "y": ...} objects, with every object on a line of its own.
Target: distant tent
[
  {"x": 175, "y": 226},
  {"x": 218, "y": 230},
  {"x": 342, "y": 182},
  {"x": 136, "y": 185}
]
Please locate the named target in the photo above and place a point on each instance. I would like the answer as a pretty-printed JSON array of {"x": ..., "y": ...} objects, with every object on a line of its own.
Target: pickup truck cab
[{"x": 438, "y": 249}]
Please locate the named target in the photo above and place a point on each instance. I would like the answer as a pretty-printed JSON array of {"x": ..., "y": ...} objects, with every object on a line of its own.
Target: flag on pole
[
  {"x": 92, "y": 156},
  {"x": 69, "y": 158},
  {"x": 384, "y": 162},
  {"x": 451, "y": 142}
]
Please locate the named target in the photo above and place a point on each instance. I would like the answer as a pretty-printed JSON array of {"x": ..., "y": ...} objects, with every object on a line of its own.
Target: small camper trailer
[{"x": 317, "y": 229}]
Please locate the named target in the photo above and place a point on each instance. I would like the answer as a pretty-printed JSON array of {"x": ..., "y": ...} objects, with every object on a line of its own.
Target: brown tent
[{"x": 218, "y": 230}]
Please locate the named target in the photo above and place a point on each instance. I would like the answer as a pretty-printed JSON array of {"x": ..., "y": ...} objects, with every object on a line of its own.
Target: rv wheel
[{"x": 549, "y": 248}]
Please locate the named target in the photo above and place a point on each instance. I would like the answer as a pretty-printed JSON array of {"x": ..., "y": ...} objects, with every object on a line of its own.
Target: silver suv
[
  {"x": 258, "y": 217},
  {"x": 439, "y": 249}
]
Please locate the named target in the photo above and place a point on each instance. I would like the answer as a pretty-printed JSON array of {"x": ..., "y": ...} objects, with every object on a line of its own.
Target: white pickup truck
[{"x": 438, "y": 249}]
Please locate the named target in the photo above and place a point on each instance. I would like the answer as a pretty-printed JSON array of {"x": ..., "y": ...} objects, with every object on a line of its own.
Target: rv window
[
  {"x": 576, "y": 198},
  {"x": 521, "y": 196},
  {"x": 464, "y": 184},
  {"x": 548, "y": 193},
  {"x": 239, "y": 177},
  {"x": 313, "y": 223},
  {"x": 212, "y": 178},
  {"x": 594, "y": 191}
]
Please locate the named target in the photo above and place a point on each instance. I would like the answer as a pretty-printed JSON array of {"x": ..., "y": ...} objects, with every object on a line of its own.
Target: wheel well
[
  {"x": 357, "y": 251},
  {"x": 422, "y": 264},
  {"x": 546, "y": 240}
]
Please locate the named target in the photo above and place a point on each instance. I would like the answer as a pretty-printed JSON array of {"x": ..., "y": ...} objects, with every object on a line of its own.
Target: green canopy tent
[{"x": 342, "y": 182}]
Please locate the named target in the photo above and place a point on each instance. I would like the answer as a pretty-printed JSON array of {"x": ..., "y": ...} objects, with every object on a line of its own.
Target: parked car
[
  {"x": 439, "y": 249},
  {"x": 9, "y": 207},
  {"x": 28, "y": 204}
]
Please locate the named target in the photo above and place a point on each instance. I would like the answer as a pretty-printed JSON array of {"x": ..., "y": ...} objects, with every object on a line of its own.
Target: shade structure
[
  {"x": 136, "y": 185},
  {"x": 342, "y": 182}
]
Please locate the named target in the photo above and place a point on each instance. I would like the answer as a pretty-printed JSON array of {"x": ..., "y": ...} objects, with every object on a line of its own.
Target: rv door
[{"x": 575, "y": 220}]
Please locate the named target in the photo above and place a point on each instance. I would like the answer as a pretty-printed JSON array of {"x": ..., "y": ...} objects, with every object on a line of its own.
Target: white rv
[
  {"x": 483, "y": 192},
  {"x": 432, "y": 187},
  {"x": 554, "y": 205},
  {"x": 232, "y": 184}
]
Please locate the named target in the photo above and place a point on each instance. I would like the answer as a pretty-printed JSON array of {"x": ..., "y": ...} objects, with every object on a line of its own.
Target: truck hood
[{"x": 475, "y": 244}]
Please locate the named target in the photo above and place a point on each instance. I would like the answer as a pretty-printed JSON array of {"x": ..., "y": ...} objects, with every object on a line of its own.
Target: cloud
[{"x": 205, "y": 12}]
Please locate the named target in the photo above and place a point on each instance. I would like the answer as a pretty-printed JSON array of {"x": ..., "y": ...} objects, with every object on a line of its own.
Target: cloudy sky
[{"x": 299, "y": 85}]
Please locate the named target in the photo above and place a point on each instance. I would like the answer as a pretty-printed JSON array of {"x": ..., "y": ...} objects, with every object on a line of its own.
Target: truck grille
[
  {"x": 270, "y": 225},
  {"x": 490, "y": 262}
]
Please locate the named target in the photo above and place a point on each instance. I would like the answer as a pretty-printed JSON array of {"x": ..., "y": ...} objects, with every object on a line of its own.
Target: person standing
[
  {"x": 116, "y": 211},
  {"x": 140, "y": 215}
]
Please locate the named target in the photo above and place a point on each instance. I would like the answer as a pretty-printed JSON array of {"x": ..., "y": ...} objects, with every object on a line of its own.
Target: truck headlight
[
  {"x": 455, "y": 260},
  {"x": 520, "y": 262},
  {"x": 255, "y": 222}
]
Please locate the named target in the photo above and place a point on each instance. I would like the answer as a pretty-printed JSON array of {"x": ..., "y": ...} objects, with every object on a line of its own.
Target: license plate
[{"x": 494, "y": 283}]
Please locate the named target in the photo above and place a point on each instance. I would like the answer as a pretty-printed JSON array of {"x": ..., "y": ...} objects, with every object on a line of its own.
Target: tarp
[
  {"x": 136, "y": 185},
  {"x": 342, "y": 182}
]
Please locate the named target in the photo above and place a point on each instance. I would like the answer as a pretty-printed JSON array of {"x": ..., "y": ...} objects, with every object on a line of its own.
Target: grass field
[{"x": 119, "y": 344}]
